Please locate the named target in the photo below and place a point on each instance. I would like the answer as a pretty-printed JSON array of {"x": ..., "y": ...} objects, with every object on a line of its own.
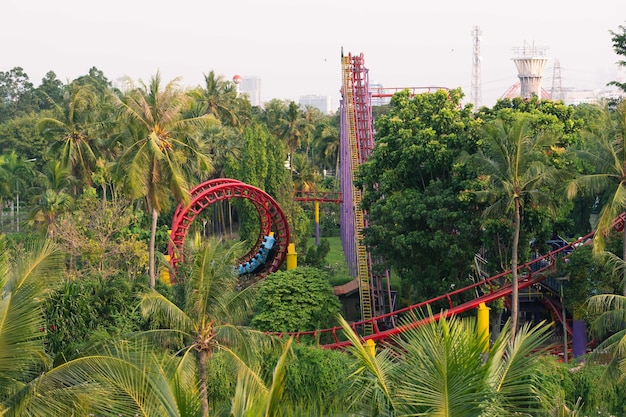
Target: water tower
[
  {"x": 530, "y": 62},
  {"x": 237, "y": 81}
]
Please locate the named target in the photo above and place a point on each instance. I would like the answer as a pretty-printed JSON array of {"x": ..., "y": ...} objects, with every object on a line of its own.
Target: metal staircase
[{"x": 350, "y": 85}]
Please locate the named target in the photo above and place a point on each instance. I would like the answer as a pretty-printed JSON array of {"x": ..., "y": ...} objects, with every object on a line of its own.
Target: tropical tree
[
  {"x": 210, "y": 314},
  {"x": 296, "y": 300},
  {"x": 296, "y": 129},
  {"x": 253, "y": 397},
  {"x": 50, "y": 205},
  {"x": 113, "y": 379},
  {"x": 442, "y": 368},
  {"x": 218, "y": 96},
  {"x": 418, "y": 225},
  {"x": 610, "y": 327},
  {"x": 326, "y": 144},
  {"x": 515, "y": 170},
  {"x": 24, "y": 282},
  {"x": 70, "y": 127},
  {"x": 162, "y": 145},
  {"x": 17, "y": 173},
  {"x": 606, "y": 153}
]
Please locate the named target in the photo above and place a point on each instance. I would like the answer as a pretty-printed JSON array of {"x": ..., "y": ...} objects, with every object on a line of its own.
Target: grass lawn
[
  {"x": 335, "y": 260},
  {"x": 337, "y": 265}
]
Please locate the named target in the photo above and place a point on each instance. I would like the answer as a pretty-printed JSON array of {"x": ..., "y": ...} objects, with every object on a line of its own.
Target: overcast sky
[{"x": 295, "y": 46}]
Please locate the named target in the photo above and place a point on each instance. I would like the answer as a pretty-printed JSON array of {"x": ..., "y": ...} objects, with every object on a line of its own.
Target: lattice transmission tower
[
  {"x": 477, "y": 90},
  {"x": 556, "y": 91}
]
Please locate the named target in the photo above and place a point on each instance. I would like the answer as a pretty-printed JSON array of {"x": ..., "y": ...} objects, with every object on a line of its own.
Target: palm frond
[
  {"x": 154, "y": 304},
  {"x": 371, "y": 379}
]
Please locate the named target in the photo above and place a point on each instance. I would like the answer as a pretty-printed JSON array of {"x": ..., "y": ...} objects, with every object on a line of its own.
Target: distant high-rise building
[
  {"x": 251, "y": 86},
  {"x": 323, "y": 103}
]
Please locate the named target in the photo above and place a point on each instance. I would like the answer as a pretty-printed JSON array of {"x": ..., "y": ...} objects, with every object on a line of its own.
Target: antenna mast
[{"x": 477, "y": 93}]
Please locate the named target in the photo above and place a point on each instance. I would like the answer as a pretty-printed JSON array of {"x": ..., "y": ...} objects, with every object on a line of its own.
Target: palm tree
[
  {"x": 70, "y": 127},
  {"x": 16, "y": 172},
  {"x": 120, "y": 378},
  {"x": 253, "y": 397},
  {"x": 50, "y": 205},
  {"x": 515, "y": 169},
  {"x": 210, "y": 315},
  {"x": 218, "y": 96},
  {"x": 326, "y": 145},
  {"x": 22, "y": 323},
  {"x": 441, "y": 369},
  {"x": 296, "y": 128},
  {"x": 610, "y": 327},
  {"x": 606, "y": 152},
  {"x": 162, "y": 146}
]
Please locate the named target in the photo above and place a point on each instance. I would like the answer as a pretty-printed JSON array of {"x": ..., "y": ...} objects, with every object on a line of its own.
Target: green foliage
[
  {"x": 598, "y": 398},
  {"x": 89, "y": 310},
  {"x": 441, "y": 368},
  {"x": 98, "y": 236},
  {"x": 19, "y": 134},
  {"x": 588, "y": 275},
  {"x": 315, "y": 379},
  {"x": 316, "y": 255},
  {"x": 418, "y": 223},
  {"x": 295, "y": 300}
]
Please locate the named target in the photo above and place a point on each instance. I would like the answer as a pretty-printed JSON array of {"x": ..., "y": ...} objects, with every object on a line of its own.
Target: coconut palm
[
  {"x": 16, "y": 173},
  {"x": 162, "y": 143},
  {"x": 218, "y": 96},
  {"x": 441, "y": 369},
  {"x": 253, "y": 397},
  {"x": 50, "y": 205},
  {"x": 610, "y": 327},
  {"x": 295, "y": 130},
  {"x": 211, "y": 312},
  {"x": 24, "y": 284},
  {"x": 70, "y": 127},
  {"x": 606, "y": 152},
  {"x": 514, "y": 169},
  {"x": 121, "y": 378}
]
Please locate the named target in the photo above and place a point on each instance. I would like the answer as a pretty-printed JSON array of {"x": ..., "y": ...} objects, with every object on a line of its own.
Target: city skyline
[{"x": 295, "y": 47}]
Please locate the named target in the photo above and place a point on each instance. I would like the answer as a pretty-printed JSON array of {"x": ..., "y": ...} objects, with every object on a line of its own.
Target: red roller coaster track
[
  {"x": 530, "y": 273},
  {"x": 272, "y": 220}
]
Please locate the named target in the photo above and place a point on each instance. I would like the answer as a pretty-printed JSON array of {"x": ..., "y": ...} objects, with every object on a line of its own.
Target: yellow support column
[
  {"x": 483, "y": 325},
  {"x": 292, "y": 257},
  {"x": 317, "y": 223},
  {"x": 164, "y": 273}
]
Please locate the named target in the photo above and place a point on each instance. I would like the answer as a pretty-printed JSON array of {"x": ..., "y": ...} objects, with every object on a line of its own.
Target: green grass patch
[{"x": 335, "y": 261}]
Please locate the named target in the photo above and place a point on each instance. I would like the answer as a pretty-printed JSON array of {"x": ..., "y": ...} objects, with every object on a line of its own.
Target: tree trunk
[
  {"x": 151, "y": 249},
  {"x": 203, "y": 387},
  {"x": 17, "y": 222},
  {"x": 515, "y": 287},
  {"x": 624, "y": 257}
]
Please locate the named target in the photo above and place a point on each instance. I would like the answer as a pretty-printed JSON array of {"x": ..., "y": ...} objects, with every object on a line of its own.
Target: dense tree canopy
[{"x": 418, "y": 223}]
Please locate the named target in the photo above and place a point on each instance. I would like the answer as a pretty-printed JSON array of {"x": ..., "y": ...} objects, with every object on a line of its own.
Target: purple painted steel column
[
  {"x": 579, "y": 343},
  {"x": 347, "y": 215}
]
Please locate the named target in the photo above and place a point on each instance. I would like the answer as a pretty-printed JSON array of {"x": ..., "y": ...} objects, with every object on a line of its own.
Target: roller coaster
[
  {"x": 270, "y": 249},
  {"x": 378, "y": 315}
]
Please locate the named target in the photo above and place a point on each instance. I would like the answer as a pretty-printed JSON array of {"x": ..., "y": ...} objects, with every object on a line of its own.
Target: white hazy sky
[{"x": 295, "y": 45}]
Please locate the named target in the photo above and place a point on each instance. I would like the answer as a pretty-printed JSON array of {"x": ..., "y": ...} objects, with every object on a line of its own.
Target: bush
[{"x": 296, "y": 300}]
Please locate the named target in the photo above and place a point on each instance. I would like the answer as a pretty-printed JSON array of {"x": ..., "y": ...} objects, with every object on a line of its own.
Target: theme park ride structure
[
  {"x": 270, "y": 248},
  {"x": 356, "y": 145},
  {"x": 532, "y": 273}
]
